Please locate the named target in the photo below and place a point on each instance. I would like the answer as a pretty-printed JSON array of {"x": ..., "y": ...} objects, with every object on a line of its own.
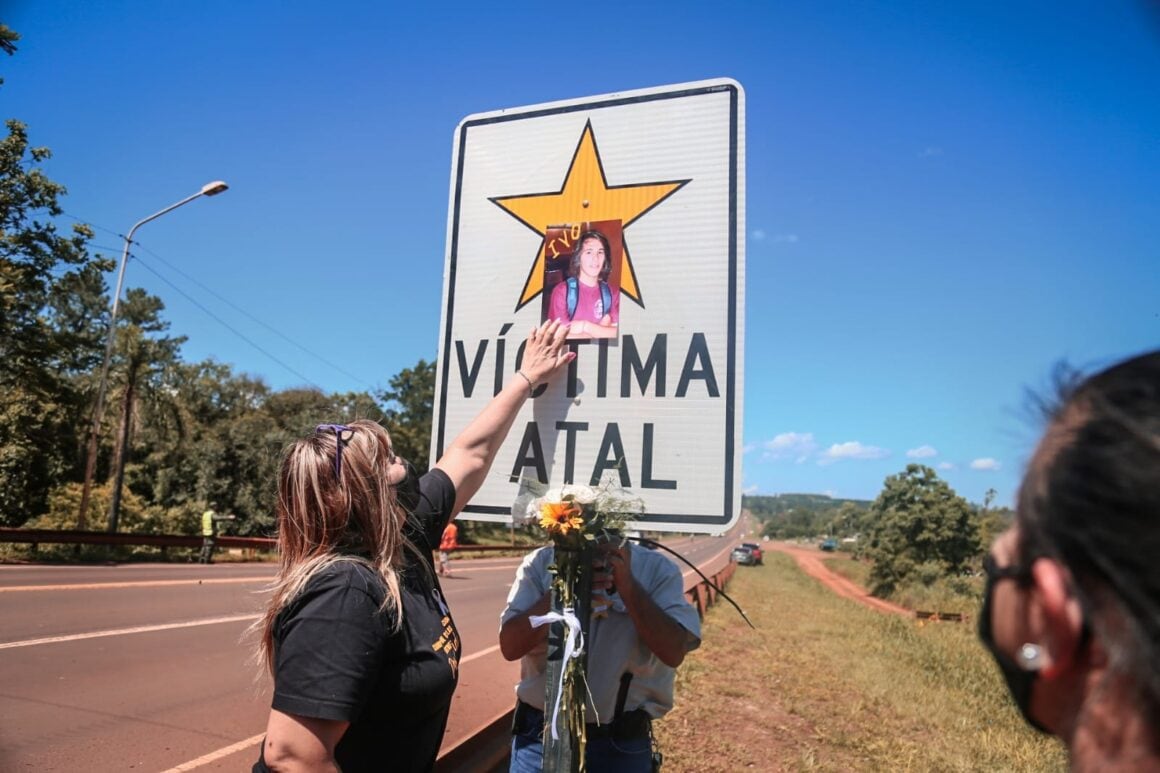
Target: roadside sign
[{"x": 625, "y": 212}]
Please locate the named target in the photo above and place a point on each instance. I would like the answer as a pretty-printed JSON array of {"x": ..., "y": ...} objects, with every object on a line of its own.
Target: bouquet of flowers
[
  {"x": 573, "y": 514},
  {"x": 575, "y": 517}
]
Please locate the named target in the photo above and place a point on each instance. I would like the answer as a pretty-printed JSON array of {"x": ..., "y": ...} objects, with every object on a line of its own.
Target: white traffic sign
[{"x": 626, "y": 214}]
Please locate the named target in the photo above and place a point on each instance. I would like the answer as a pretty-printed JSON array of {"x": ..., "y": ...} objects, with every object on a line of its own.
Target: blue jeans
[{"x": 604, "y": 755}]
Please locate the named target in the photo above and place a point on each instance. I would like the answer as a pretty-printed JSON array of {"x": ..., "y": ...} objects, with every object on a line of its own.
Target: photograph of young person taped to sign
[{"x": 582, "y": 263}]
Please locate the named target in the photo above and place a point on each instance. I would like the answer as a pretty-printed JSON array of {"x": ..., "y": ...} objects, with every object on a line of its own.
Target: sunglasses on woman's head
[{"x": 342, "y": 436}]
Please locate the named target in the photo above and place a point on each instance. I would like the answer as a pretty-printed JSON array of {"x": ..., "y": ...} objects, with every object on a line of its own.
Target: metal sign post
[{"x": 562, "y": 754}]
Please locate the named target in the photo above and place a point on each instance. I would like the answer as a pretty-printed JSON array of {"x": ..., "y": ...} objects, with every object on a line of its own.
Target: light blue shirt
[{"x": 613, "y": 645}]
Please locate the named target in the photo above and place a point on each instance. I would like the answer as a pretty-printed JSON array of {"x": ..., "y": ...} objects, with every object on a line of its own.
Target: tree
[
  {"x": 50, "y": 302},
  {"x": 991, "y": 521},
  {"x": 919, "y": 528},
  {"x": 207, "y": 437},
  {"x": 145, "y": 355},
  {"x": 849, "y": 518},
  {"x": 408, "y": 416},
  {"x": 8, "y": 40}
]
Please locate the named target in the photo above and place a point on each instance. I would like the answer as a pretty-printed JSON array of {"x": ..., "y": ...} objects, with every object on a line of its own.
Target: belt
[{"x": 628, "y": 726}]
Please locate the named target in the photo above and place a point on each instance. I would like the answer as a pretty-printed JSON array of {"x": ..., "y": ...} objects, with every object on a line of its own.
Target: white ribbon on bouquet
[{"x": 573, "y": 648}]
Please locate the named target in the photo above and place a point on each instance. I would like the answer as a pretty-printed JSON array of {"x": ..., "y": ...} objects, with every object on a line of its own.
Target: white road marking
[
  {"x": 226, "y": 751},
  {"x": 465, "y": 569},
  {"x": 690, "y": 573},
  {"x": 462, "y": 567},
  {"x": 205, "y": 759},
  {"x": 123, "y": 631},
  {"x": 241, "y": 745},
  {"x": 136, "y": 584},
  {"x": 479, "y": 654}
]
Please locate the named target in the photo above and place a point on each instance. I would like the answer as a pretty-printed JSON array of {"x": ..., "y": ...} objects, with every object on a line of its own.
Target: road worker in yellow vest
[{"x": 209, "y": 522}]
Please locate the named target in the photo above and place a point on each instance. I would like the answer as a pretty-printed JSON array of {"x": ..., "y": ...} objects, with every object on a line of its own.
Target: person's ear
[{"x": 1057, "y": 617}]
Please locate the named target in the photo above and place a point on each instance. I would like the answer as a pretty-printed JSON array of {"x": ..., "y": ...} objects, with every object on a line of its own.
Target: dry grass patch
[{"x": 827, "y": 685}]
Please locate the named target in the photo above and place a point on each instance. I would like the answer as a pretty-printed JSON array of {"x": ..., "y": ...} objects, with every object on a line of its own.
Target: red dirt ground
[
  {"x": 735, "y": 731},
  {"x": 811, "y": 563}
]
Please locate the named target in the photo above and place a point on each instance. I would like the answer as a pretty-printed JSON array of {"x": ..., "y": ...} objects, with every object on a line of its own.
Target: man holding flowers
[{"x": 640, "y": 631}]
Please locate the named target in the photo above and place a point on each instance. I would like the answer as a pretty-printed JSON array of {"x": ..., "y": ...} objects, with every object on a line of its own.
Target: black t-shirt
[{"x": 336, "y": 657}]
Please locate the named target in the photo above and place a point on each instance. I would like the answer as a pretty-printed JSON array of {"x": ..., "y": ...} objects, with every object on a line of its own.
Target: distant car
[
  {"x": 755, "y": 549},
  {"x": 743, "y": 556},
  {"x": 828, "y": 545}
]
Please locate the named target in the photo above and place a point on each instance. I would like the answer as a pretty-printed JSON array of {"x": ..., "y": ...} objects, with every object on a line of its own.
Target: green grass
[
  {"x": 843, "y": 564},
  {"x": 962, "y": 595},
  {"x": 825, "y": 684}
]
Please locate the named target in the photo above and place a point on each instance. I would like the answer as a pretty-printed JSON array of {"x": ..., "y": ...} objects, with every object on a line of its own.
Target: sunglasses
[
  {"x": 342, "y": 436},
  {"x": 994, "y": 572}
]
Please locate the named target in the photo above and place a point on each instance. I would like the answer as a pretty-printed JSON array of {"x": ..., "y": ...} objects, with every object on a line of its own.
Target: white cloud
[
  {"x": 758, "y": 235},
  {"x": 748, "y": 447},
  {"x": 798, "y": 446},
  {"x": 851, "y": 449},
  {"x": 929, "y": 151},
  {"x": 922, "y": 452},
  {"x": 986, "y": 463},
  {"x": 786, "y": 238},
  {"x": 946, "y": 465},
  {"x": 749, "y": 490}
]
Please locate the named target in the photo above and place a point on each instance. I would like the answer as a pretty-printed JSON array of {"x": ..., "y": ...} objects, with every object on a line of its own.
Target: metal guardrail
[
  {"x": 702, "y": 595},
  {"x": 934, "y": 617},
  {"x": 485, "y": 750},
  {"x": 64, "y": 537},
  {"x": 72, "y": 537}
]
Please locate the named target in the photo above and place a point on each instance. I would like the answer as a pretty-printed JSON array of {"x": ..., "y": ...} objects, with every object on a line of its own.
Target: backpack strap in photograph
[{"x": 573, "y": 297}]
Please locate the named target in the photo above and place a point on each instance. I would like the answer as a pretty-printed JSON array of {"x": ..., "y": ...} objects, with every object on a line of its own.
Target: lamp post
[{"x": 209, "y": 189}]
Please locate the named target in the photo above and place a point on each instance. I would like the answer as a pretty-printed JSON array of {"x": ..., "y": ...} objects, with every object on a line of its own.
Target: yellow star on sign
[{"x": 585, "y": 196}]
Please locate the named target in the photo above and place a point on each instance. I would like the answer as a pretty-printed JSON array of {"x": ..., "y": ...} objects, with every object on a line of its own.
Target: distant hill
[
  {"x": 780, "y": 503},
  {"x": 791, "y": 516}
]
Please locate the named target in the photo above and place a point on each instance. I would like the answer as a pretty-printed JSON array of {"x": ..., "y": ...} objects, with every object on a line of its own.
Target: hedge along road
[{"x": 108, "y": 668}]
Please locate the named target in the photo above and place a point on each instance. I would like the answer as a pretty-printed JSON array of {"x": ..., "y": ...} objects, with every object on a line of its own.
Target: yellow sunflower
[{"x": 561, "y": 517}]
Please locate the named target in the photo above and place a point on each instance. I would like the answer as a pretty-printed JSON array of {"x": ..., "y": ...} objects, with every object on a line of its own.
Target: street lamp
[{"x": 209, "y": 189}]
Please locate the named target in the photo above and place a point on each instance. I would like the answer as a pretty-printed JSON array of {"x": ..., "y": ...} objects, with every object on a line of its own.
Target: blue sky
[{"x": 943, "y": 199}]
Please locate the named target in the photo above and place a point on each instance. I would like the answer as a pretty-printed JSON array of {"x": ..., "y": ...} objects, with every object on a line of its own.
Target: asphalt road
[{"x": 146, "y": 667}]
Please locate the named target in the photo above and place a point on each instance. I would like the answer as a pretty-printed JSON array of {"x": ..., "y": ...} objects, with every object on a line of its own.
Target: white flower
[
  {"x": 583, "y": 495},
  {"x": 526, "y": 507},
  {"x": 608, "y": 499}
]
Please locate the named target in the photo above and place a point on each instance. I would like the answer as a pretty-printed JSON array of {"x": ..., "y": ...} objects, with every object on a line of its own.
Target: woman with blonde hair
[{"x": 357, "y": 636}]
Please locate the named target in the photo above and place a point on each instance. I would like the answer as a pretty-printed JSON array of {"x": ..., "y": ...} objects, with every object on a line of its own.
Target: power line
[
  {"x": 93, "y": 225},
  {"x": 226, "y": 325},
  {"x": 251, "y": 317},
  {"x": 224, "y": 300}
]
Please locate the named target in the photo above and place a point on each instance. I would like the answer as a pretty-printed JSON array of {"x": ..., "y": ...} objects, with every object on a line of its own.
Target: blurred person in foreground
[
  {"x": 357, "y": 636},
  {"x": 633, "y": 653},
  {"x": 1071, "y": 608}
]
